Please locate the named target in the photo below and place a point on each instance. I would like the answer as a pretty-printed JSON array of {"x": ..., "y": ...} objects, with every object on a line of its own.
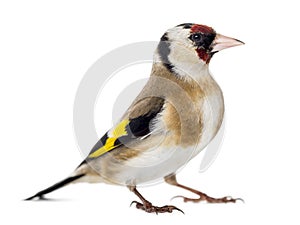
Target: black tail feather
[{"x": 54, "y": 187}]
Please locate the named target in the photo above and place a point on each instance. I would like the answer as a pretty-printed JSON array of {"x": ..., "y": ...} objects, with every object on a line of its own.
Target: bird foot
[
  {"x": 205, "y": 197},
  {"x": 149, "y": 208}
]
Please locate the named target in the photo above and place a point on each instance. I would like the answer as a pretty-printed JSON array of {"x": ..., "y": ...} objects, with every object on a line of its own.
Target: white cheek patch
[
  {"x": 180, "y": 54},
  {"x": 186, "y": 62},
  {"x": 183, "y": 55}
]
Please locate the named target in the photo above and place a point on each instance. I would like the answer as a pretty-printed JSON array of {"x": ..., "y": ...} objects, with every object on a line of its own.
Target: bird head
[{"x": 191, "y": 45}]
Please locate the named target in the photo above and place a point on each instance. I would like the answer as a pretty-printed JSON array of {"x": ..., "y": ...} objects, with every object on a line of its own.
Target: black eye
[{"x": 196, "y": 37}]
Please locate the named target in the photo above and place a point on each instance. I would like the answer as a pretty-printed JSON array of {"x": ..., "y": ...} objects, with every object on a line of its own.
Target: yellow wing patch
[{"x": 118, "y": 131}]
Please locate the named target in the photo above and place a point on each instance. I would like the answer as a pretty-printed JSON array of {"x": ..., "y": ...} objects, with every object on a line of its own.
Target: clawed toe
[
  {"x": 208, "y": 199},
  {"x": 149, "y": 208},
  {"x": 234, "y": 200},
  {"x": 226, "y": 199}
]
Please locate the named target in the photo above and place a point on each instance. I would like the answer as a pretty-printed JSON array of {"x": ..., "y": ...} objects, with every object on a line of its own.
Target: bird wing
[{"x": 136, "y": 124}]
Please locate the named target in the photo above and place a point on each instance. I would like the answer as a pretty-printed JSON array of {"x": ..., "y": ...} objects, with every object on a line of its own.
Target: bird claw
[
  {"x": 149, "y": 208},
  {"x": 177, "y": 196},
  {"x": 239, "y": 199}
]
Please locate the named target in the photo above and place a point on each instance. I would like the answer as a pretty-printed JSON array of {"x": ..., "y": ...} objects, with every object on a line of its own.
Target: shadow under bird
[{"x": 176, "y": 115}]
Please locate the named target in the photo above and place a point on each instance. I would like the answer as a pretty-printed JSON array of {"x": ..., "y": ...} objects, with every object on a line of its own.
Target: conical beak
[{"x": 222, "y": 42}]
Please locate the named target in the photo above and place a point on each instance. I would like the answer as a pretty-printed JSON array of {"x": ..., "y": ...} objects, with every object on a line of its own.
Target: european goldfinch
[{"x": 175, "y": 116}]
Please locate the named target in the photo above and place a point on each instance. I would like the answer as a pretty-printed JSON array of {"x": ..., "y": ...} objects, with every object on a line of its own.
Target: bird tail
[{"x": 56, "y": 186}]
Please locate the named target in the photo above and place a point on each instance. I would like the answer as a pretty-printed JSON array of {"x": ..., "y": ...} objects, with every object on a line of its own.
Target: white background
[{"x": 45, "y": 50}]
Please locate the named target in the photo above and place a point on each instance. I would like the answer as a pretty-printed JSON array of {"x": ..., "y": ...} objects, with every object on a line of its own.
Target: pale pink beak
[{"x": 222, "y": 42}]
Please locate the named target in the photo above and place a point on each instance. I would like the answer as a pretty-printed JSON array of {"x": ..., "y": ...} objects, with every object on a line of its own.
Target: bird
[{"x": 175, "y": 116}]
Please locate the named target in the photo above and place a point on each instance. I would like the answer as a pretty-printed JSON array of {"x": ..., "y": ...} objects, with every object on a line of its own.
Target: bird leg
[
  {"x": 148, "y": 207},
  {"x": 202, "y": 196}
]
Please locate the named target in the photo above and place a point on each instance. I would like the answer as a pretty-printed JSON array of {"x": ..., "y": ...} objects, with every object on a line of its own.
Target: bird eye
[{"x": 196, "y": 37}]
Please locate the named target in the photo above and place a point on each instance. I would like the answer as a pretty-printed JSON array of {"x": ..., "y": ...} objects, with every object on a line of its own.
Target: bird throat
[{"x": 204, "y": 55}]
